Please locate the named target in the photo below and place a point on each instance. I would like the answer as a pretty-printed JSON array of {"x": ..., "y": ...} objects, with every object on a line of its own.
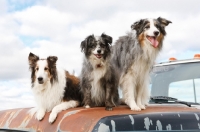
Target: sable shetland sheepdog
[
  {"x": 134, "y": 55},
  {"x": 54, "y": 89},
  {"x": 97, "y": 81}
]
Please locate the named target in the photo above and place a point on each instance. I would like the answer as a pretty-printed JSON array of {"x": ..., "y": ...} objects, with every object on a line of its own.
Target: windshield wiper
[{"x": 165, "y": 99}]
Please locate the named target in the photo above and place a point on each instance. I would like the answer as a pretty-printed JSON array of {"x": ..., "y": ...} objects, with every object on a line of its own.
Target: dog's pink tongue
[{"x": 153, "y": 41}]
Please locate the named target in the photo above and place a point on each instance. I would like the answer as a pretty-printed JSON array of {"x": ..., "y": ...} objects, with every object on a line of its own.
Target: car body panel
[{"x": 78, "y": 119}]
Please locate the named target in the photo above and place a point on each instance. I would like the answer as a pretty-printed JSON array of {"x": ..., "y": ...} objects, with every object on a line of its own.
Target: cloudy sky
[{"x": 52, "y": 27}]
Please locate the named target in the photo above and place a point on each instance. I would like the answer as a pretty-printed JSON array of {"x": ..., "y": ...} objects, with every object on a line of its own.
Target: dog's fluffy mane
[
  {"x": 131, "y": 51},
  {"x": 98, "y": 81},
  {"x": 59, "y": 92},
  {"x": 133, "y": 57}
]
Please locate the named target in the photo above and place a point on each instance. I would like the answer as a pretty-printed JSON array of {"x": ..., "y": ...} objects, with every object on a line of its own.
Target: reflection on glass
[{"x": 181, "y": 81}]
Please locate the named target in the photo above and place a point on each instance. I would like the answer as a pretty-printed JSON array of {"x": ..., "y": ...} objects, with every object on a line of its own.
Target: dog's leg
[
  {"x": 87, "y": 98},
  {"x": 60, "y": 107},
  {"x": 40, "y": 113},
  {"x": 129, "y": 92},
  {"x": 86, "y": 91},
  {"x": 145, "y": 95},
  {"x": 139, "y": 96},
  {"x": 108, "y": 102}
]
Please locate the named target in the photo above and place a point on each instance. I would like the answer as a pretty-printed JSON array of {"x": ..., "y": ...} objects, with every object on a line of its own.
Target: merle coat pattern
[
  {"x": 133, "y": 56},
  {"x": 98, "y": 81}
]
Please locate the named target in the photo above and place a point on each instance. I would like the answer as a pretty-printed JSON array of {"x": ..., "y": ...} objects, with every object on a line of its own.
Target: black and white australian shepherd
[
  {"x": 98, "y": 82},
  {"x": 54, "y": 89},
  {"x": 133, "y": 57}
]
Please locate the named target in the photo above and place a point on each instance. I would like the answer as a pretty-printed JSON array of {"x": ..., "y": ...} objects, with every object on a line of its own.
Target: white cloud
[
  {"x": 43, "y": 21},
  {"x": 57, "y": 28},
  {"x": 16, "y": 94},
  {"x": 3, "y": 6}
]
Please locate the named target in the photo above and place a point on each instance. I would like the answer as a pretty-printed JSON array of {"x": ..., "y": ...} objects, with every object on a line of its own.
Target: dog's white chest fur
[
  {"x": 49, "y": 95},
  {"x": 97, "y": 91}
]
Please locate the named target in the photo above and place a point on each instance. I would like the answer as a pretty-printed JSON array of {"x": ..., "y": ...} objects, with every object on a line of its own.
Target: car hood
[{"x": 81, "y": 119}]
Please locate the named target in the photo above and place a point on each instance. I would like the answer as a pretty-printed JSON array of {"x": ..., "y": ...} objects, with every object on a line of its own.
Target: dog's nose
[
  {"x": 156, "y": 33},
  {"x": 99, "y": 51},
  {"x": 40, "y": 79}
]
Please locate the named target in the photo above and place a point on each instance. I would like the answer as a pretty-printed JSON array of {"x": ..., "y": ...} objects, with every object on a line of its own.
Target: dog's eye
[
  {"x": 45, "y": 68},
  {"x": 102, "y": 46},
  {"x": 37, "y": 69},
  {"x": 147, "y": 27},
  {"x": 93, "y": 46}
]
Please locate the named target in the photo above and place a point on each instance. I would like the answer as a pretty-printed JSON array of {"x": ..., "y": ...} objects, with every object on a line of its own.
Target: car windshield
[{"x": 181, "y": 81}]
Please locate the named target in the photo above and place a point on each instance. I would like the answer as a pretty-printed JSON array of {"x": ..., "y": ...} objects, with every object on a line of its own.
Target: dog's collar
[{"x": 99, "y": 65}]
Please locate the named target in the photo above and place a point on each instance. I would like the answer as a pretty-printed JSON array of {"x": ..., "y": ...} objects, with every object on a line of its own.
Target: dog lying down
[{"x": 54, "y": 89}]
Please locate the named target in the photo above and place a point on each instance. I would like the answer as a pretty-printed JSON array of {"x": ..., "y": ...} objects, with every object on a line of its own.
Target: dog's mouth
[
  {"x": 98, "y": 55},
  {"x": 153, "y": 41},
  {"x": 40, "y": 82}
]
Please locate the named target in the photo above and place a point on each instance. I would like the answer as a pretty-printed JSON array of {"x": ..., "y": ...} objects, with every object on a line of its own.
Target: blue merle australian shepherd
[
  {"x": 133, "y": 56},
  {"x": 98, "y": 81}
]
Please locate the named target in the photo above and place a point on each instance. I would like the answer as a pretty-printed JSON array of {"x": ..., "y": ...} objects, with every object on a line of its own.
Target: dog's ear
[
  {"x": 164, "y": 22},
  {"x": 52, "y": 60},
  {"x": 32, "y": 58},
  {"x": 83, "y": 45},
  {"x": 107, "y": 39},
  {"x": 136, "y": 25}
]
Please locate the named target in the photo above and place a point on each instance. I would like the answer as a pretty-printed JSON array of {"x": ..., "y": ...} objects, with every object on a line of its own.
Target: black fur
[
  {"x": 52, "y": 68},
  {"x": 160, "y": 23},
  {"x": 108, "y": 83},
  {"x": 72, "y": 88},
  {"x": 32, "y": 64},
  {"x": 90, "y": 43}
]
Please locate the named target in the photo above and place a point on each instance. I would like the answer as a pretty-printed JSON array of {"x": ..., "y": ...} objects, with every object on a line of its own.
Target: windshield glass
[{"x": 181, "y": 81}]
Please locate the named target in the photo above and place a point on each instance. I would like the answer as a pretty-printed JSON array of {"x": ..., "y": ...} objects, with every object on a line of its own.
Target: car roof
[
  {"x": 177, "y": 62},
  {"x": 77, "y": 119}
]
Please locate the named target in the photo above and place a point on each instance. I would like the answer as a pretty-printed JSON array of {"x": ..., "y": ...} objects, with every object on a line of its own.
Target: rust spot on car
[{"x": 75, "y": 119}]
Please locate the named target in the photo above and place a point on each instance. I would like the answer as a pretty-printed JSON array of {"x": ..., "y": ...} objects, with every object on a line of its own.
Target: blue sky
[
  {"x": 51, "y": 27},
  {"x": 19, "y": 5}
]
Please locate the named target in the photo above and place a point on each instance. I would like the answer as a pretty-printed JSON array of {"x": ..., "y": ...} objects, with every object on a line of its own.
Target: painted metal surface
[
  {"x": 153, "y": 122},
  {"x": 178, "y": 62},
  {"x": 81, "y": 119}
]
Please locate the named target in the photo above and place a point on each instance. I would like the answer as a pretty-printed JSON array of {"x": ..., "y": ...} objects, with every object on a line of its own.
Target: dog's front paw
[
  {"x": 109, "y": 108},
  {"x": 52, "y": 117},
  {"x": 134, "y": 107},
  {"x": 142, "y": 107},
  {"x": 87, "y": 106},
  {"x": 40, "y": 115}
]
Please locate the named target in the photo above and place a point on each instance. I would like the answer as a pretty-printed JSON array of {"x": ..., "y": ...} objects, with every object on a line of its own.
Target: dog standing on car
[
  {"x": 133, "y": 57},
  {"x": 54, "y": 89},
  {"x": 98, "y": 82}
]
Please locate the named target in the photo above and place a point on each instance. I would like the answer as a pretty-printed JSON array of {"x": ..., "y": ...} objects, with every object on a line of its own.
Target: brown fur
[
  {"x": 160, "y": 39},
  {"x": 72, "y": 88},
  {"x": 141, "y": 39}
]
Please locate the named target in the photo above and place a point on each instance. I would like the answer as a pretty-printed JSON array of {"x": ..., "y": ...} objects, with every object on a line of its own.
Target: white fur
[
  {"x": 152, "y": 29},
  {"x": 97, "y": 93},
  {"x": 41, "y": 72},
  {"x": 60, "y": 107},
  {"x": 49, "y": 96},
  {"x": 135, "y": 83}
]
